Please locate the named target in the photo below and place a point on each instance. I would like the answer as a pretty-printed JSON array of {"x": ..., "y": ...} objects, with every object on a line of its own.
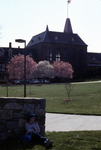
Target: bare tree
[{"x": 69, "y": 87}]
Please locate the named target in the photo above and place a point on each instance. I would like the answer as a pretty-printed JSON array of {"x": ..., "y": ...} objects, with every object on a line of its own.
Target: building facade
[
  {"x": 52, "y": 46},
  {"x": 6, "y": 53},
  {"x": 62, "y": 46}
]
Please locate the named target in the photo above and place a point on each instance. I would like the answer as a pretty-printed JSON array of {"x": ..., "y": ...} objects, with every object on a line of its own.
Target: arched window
[
  {"x": 80, "y": 54},
  {"x": 81, "y": 59},
  {"x": 73, "y": 58},
  {"x": 58, "y": 55},
  {"x": 65, "y": 55},
  {"x": 49, "y": 55},
  {"x": 73, "y": 54}
]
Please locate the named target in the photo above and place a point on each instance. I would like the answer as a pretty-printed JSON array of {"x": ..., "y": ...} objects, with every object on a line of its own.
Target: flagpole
[
  {"x": 68, "y": 2},
  {"x": 67, "y": 9}
]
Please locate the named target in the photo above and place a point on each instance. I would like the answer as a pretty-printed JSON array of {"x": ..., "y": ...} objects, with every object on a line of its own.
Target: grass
[
  {"x": 87, "y": 100},
  {"x": 83, "y": 140},
  {"x": 87, "y": 97}
]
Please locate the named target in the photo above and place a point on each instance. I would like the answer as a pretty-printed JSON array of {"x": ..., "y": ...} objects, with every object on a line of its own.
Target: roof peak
[
  {"x": 47, "y": 29},
  {"x": 68, "y": 27}
]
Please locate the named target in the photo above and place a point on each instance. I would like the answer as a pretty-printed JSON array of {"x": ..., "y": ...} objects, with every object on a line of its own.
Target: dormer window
[
  {"x": 1, "y": 52},
  {"x": 39, "y": 37},
  {"x": 10, "y": 53},
  {"x": 56, "y": 38},
  {"x": 72, "y": 40},
  {"x": 94, "y": 58},
  {"x": 32, "y": 40}
]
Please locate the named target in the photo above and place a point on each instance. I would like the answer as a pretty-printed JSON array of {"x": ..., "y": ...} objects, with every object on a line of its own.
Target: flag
[{"x": 69, "y": 1}]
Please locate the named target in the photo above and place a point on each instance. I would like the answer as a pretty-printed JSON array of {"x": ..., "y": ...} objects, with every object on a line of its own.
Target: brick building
[
  {"x": 65, "y": 46},
  {"x": 6, "y": 53},
  {"x": 94, "y": 64}
]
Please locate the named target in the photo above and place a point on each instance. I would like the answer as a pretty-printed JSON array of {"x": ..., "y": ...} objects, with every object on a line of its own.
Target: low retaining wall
[{"x": 14, "y": 113}]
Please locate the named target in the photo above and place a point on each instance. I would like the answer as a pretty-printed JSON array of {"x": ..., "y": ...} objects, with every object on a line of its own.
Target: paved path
[
  {"x": 65, "y": 122},
  {"x": 86, "y": 82}
]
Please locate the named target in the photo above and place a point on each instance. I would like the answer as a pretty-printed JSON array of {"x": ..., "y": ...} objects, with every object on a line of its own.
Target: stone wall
[{"x": 14, "y": 113}]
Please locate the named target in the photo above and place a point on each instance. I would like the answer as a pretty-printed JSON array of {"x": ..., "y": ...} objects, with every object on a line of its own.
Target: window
[
  {"x": 73, "y": 58},
  {"x": 49, "y": 55},
  {"x": 3, "y": 67},
  {"x": 10, "y": 53},
  {"x": 58, "y": 55},
  {"x": 56, "y": 38},
  {"x": 1, "y": 52},
  {"x": 72, "y": 40},
  {"x": 30, "y": 55},
  {"x": 65, "y": 55},
  {"x": 19, "y": 54},
  {"x": 81, "y": 59},
  {"x": 0, "y": 67},
  {"x": 39, "y": 38},
  {"x": 80, "y": 54},
  {"x": 73, "y": 54},
  {"x": 32, "y": 40}
]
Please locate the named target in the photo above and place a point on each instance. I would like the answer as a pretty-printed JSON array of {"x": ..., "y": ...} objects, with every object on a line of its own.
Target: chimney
[{"x": 10, "y": 44}]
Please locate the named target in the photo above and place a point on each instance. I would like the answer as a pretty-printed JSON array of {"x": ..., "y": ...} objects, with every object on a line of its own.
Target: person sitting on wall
[{"x": 32, "y": 127}]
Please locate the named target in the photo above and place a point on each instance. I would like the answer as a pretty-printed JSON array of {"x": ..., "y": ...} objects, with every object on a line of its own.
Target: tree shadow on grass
[
  {"x": 14, "y": 144},
  {"x": 31, "y": 93}
]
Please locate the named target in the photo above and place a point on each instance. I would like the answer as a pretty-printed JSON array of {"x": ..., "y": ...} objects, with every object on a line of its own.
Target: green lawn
[
  {"x": 86, "y": 100},
  {"x": 86, "y": 97},
  {"x": 83, "y": 140}
]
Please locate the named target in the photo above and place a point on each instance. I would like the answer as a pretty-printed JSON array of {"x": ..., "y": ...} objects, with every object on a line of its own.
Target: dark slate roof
[
  {"x": 94, "y": 56},
  {"x": 56, "y": 37},
  {"x": 94, "y": 59},
  {"x": 36, "y": 39}
]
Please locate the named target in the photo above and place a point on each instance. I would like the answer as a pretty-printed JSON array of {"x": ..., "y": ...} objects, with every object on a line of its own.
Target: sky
[{"x": 22, "y": 19}]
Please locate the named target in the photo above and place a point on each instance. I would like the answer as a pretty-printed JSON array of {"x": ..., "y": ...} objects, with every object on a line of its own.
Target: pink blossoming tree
[
  {"x": 16, "y": 67},
  {"x": 63, "y": 69}
]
